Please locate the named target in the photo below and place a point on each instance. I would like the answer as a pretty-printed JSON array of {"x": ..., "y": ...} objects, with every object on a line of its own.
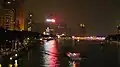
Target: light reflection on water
[{"x": 51, "y": 58}]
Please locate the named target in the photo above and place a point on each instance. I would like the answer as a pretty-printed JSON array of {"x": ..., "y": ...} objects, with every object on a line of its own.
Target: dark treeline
[{"x": 11, "y": 35}]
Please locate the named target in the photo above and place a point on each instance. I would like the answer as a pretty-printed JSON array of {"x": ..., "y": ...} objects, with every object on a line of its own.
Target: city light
[
  {"x": 30, "y": 15},
  {"x": 28, "y": 38},
  {"x": 63, "y": 34},
  {"x": 10, "y": 58},
  {"x": 41, "y": 39},
  {"x": 10, "y": 65},
  {"x": 9, "y": 2},
  {"x": 74, "y": 64},
  {"x": 16, "y": 64},
  {"x": 58, "y": 36},
  {"x": 29, "y": 29},
  {"x": 0, "y": 65},
  {"x": 44, "y": 33},
  {"x": 50, "y": 20},
  {"x": 82, "y": 25},
  {"x": 16, "y": 55},
  {"x": 73, "y": 37}
]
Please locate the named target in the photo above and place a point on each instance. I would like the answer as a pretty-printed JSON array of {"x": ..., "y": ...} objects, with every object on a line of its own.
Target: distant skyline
[{"x": 99, "y": 16}]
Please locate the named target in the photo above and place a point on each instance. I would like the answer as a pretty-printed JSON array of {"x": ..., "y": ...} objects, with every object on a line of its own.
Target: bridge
[{"x": 82, "y": 37}]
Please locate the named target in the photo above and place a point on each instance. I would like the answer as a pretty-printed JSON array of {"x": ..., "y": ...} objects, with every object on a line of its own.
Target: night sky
[{"x": 100, "y": 16}]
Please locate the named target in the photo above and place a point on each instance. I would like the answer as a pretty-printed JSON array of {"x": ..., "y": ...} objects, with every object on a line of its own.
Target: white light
[
  {"x": 10, "y": 58},
  {"x": 63, "y": 34},
  {"x": 8, "y": 2},
  {"x": 30, "y": 15},
  {"x": 15, "y": 61},
  {"x": 58, "y": 36},
  {"x": 74, "y": 54},
  {"x": 28, "y": 38},
  {"x": 16, "y": 55},
  {"x": 50, "y": 37},
  {"x": 40, "y": 38},
  {"x": 50, "y": 20},
  {"x": 73, "y": 37},
  {"x": 44, "y": 33}
]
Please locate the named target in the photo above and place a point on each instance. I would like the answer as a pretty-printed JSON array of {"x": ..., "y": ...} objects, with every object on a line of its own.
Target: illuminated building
[
  {"x": 29, "y": 23},
  {"x": 7, "y": 19},
  {"x": 12, "y": 17}
]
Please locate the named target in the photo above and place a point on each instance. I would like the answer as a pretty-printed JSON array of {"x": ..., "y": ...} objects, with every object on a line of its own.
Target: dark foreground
[{"x": 52, "y": 54}]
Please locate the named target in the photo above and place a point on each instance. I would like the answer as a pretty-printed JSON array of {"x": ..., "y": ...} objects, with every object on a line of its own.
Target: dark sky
[{"x": 100, "y": 16}]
